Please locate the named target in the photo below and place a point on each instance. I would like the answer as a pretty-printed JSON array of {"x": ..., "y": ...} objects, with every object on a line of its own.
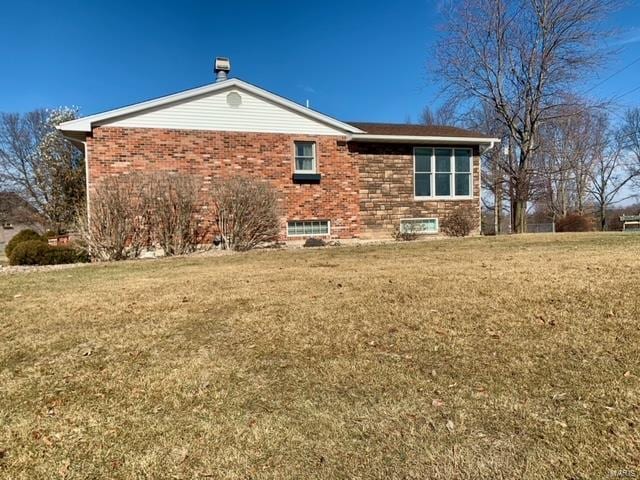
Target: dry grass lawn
[{"x": 478, "y": 358}]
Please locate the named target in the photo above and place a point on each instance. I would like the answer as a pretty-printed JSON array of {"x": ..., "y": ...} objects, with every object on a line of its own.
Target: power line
[
  {"x": 612, "y": 75},
  {"x": 625, "y": 94}
]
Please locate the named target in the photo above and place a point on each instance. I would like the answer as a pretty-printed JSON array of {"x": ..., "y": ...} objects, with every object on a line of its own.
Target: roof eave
[
  {"x": 85, "y": 124},
  {"x": 423, "y": 139}
]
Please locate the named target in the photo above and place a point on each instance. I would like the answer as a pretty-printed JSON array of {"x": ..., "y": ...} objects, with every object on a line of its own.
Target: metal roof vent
[{"x": 222, "y": 68}]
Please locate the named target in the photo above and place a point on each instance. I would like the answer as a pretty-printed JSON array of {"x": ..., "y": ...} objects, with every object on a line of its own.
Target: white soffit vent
[{"x": 234, "y": 99}]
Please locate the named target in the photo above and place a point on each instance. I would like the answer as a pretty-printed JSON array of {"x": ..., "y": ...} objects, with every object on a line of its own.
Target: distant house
[
  {"x": 630, "y": 223},
  {"x": 16, "y": 215},
  {"x": 336, "y": 179}
]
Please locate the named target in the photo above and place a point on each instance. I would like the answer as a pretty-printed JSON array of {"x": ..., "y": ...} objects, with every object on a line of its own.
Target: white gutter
[{"x": 358, "y": 137}]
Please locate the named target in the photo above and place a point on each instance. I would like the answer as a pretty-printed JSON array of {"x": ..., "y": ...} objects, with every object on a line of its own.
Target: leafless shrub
[
  {"x": 117, "y": 225},
  {"x": 574, "y": 222},
  {"x": 245, "y": 212},
  {"x": 176, "y": 226},
  {"x": 129, "y": 213},
  {"x": 458, "y": 223},
  {"x": 405, "y": 233}
]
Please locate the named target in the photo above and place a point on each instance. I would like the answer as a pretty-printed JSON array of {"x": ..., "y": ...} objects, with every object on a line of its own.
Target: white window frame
[
  {"x": 314, "y": 157},
  {"x": 452, "y": 178},
  {"x": 421, "y": 219},
  {"x": 293, "y": 235}
]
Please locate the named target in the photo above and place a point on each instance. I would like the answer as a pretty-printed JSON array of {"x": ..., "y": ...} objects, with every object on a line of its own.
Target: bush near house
[
  {"x": 136, "y": 211},
  {"x": 457, "y": 224},
  {"x": 574, "y": 222},
  {"x": 23, "y": 236},
  {"x": 38, "y": 252},
  {"x": 245, "y": 212}
]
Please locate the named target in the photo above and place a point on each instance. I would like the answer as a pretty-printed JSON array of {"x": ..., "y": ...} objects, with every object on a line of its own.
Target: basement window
[
  {"x": 308, "y": 228},
  {"x": 419, "y": 226}
]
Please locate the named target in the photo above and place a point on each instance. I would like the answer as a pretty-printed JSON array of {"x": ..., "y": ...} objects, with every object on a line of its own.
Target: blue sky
[{"x": 355, "y": 60}]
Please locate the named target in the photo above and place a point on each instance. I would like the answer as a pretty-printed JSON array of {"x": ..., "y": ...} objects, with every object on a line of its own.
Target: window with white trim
[
  {"x": 305, "y": 153},
  {"x": 442, "y": 172},
  {"x": 419, "y": 226},
  {"x": 308, "y": 228}
]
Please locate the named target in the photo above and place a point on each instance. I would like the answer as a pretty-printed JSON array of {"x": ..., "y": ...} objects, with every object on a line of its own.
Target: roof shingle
[{"x": 415, "y": 130}]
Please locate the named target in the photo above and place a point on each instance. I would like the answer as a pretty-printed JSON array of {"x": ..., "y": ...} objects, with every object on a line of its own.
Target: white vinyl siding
[
  {"x": 213, "y": 112},
  {"x": 308, "y": 228}
]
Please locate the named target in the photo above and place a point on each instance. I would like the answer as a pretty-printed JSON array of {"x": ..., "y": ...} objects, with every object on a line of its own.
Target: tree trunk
[
  {"x": 498, "y": 208},
  {"x": 603, "y": 217},
  {"x": 520, "y": 216}
]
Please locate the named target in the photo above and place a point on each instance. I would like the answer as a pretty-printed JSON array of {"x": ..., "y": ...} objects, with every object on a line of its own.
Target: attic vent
[{"x": 234, "y": 99}]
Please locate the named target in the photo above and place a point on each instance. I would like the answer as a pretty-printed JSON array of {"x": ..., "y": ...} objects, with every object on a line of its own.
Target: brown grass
[{"x": 475, "y": 358}]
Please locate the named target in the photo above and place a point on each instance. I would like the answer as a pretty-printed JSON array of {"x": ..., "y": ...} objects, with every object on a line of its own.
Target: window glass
[
  {"x": 443, "y": 160},
  {"x": 419, "y": 225},
  {"x": 463, "y": 173},
  {"x": 463, "y": 184},
  {"x": 423, "y": 185},
  {"x": 423, "y": 159},
  {"x": 305, "y": 160},
  {"x": 308, "y": 228},
  {"x": 463, "y": 161},
  {"x": 442, "y": 172},
  {"x": 443, "y": 184}
]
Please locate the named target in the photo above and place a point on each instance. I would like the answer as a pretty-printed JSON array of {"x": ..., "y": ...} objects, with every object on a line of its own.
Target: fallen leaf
[
  {"x": 64, "y": 469},
  {"x": 17, "y": 295},
  {"x": 627, "y": 373},
  {"x": 450, "y": 425},
  {"x": 436, "y": 402}
]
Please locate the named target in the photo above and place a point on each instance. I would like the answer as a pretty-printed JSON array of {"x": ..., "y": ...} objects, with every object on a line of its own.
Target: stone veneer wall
[{"x": 386, "y": 189}]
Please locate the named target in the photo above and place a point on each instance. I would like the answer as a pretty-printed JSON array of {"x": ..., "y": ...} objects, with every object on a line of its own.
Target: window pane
[
  {"x": 308, "y": 228},
  {"x": 443, "y": 184},
  {"x": 304, "y": 164},
  {"x": 422, "y": 225},
  {"x": 304, "y": 149},
  {"x": 462, "y": 183},
  {"x": 423, "y": 185},
  {"x": 423, "y": 159},
  {"x": 463, "y": 161},
  {"x": 443, "y": 160}
]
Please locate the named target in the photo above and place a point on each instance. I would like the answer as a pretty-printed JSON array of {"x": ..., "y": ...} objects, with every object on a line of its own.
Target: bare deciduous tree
[
  {"x": 494, "y": 180},
  {"x": 611, "y": 173},
  {"x": 245, "y": 212},
  {"x": 38, "y": 163},
  {"x": 569, "y": 147},
  {"x": 444, "y": 115},
  {"x": 630, "y": 137},
  {"x": 521, "y": 57}
]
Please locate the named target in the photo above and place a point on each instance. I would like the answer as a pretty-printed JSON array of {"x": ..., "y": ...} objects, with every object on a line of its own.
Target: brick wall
[
  {"x": 210, "y": 155},
  {"x": 365, "y": 190},
  {"x": 386, "y": 189}
]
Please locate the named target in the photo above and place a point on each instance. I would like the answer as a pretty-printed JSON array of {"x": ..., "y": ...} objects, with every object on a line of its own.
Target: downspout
[{"x": 86, "y": 181}]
